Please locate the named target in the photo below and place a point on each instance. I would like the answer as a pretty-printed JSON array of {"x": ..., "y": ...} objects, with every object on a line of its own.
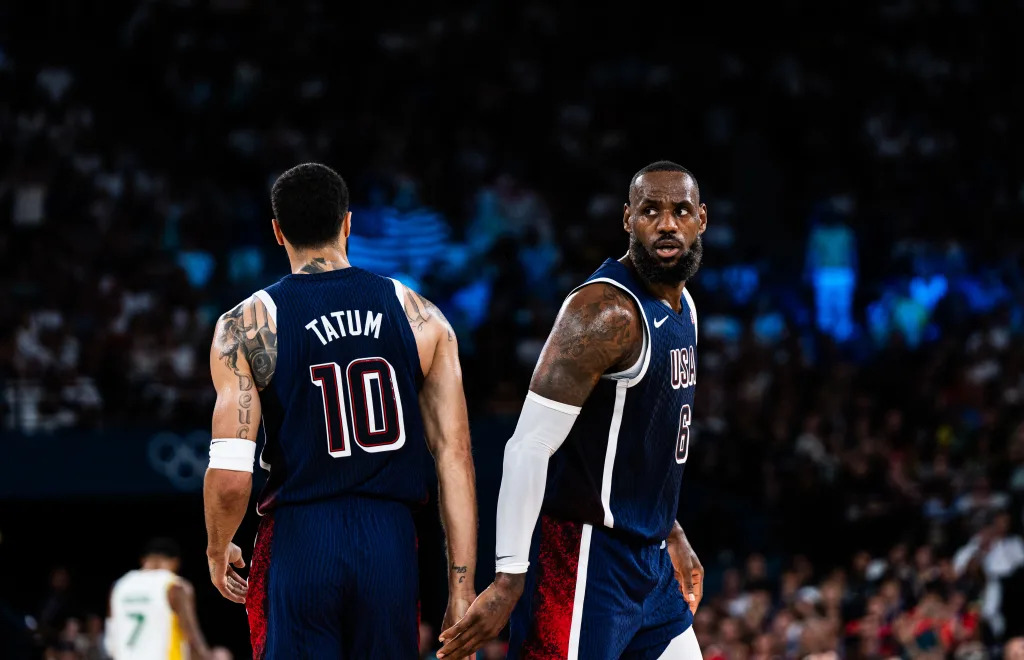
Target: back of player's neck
[{"x": 319, "y": 261}]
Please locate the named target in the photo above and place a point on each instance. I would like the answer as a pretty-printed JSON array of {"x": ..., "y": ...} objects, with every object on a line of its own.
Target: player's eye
[{"x": 651, "y": 210}]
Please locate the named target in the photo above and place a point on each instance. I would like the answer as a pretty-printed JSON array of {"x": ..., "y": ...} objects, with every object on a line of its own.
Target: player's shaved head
[{"x": 659, "y": 166}]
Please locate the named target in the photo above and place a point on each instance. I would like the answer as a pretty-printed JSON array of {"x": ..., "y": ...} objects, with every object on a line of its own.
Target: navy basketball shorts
[
  {"x": 335, "y": 579},
  {"x": 593, "y": 595}
]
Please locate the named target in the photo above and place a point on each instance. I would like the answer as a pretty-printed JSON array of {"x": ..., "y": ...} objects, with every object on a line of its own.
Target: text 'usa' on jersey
[
  {"x": 341, "y": 414},
  {"x": 622, "y": 464}
]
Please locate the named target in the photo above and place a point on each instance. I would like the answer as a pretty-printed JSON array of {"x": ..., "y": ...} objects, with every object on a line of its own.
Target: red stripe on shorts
[
  {"x": 259, "y": 579},
  {"x": 558, "y": 562}
]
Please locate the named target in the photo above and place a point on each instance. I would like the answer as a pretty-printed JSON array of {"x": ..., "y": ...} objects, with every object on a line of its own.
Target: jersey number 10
[{"x": 374, "y": 410}]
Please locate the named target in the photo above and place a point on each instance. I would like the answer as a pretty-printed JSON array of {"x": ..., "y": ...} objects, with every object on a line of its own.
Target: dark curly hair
[{"x": 310, "y": 201}]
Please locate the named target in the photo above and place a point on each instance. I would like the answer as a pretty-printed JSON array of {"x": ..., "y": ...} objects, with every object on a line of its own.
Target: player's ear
[
  {"x": 278, "y": 234},
  {"x": 346, "y": 225},
  {"x": 703, "y": 218},
  {"x": 625, "y": 217}
]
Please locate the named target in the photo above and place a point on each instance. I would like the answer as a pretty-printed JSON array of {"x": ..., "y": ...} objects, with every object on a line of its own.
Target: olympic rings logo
[{"x": 182, "y": 459}]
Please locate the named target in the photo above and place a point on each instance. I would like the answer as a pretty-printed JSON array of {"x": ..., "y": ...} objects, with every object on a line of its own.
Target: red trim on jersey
[
  {"x": 259, "y": 580},
  {"x": 551, "y": 619}
]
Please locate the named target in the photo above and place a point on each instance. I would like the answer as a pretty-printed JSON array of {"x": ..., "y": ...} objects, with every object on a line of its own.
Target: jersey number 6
[
  {"x": 683, "y": 441},
  {"x": 374, "y": 406}
]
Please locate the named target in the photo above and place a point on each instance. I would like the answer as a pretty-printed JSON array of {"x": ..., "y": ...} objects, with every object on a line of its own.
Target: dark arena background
[{"x": 858, "y": 432}]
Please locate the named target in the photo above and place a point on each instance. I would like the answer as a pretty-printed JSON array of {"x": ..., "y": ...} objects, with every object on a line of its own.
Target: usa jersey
[
  {"x": 621, "y": 466},
  {"x": 341, "y": 414}
]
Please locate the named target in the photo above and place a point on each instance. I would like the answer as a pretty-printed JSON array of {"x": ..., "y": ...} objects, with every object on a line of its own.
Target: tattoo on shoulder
[
  {"x": 598, "y": 333},
  {"x": 419, "y": 310},
  {"x": 246, "y": 333}
]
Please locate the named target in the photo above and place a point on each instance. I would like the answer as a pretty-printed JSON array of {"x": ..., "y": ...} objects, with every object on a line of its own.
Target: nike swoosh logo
[
  {"x": 215, "y": 442},
  {"x": 502, "y": 557},
  {"x": 657, "y": 324}
]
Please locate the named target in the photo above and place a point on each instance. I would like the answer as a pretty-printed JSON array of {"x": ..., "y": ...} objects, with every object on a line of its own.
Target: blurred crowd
[{"x": 861, "y": 305}]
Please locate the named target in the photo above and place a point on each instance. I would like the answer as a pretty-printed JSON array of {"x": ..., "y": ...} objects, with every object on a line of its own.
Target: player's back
[
  {"x": 341, "y": 413},
  {"x": 142, "y": 624}
]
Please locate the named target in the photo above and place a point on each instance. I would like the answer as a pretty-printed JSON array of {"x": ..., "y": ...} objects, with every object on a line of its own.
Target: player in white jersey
[{"x": 153, "y": 612}]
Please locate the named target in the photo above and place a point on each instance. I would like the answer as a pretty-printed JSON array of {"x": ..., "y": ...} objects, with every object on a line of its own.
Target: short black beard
[{"x": 653, "y": 271}]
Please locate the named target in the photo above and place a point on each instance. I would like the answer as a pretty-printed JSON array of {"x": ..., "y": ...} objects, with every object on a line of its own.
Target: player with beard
[{"x": 598, "y": 456}]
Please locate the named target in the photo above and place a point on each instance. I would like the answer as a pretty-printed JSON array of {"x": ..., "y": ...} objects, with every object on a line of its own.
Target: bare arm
[
  {"x": 597, "y": 331},
  {"x": 242, "y": 362},
  {"x": 182, "y": 599},
  {"x": 443, "y": 405}
]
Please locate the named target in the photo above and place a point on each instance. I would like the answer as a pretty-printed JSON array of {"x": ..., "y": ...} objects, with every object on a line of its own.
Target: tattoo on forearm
[
  {"x": 419, "y": 310},
  {"x": 598, "y": 333},
  {"x": 460, "y": 571},
  {"x": 246, "y": 332}
]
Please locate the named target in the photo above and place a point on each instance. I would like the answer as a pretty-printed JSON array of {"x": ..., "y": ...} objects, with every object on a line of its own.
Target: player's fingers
[
  {"x": 457, "y": 644},
  {"x": 227, "y": 593},
  {"x": 460, "y": 626},
  {"x": 238, "y": 563},
  {"x": 687, "y": 584},
  {"x": 459, "y": 647},
  {"x": 239, "y": 582},
  {"x": 232, "y": 574}
]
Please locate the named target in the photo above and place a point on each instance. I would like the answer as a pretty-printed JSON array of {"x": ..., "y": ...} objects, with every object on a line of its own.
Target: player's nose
[{"x": 667, "y": 223}]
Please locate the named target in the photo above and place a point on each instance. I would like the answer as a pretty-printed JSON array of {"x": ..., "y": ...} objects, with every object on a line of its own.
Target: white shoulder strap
[
  {"x": 269, "y": 303},
  {"x": 693, "y": 311}
]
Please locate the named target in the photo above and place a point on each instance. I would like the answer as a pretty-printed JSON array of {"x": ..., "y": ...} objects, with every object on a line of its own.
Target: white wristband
[{"x": 236, "y": 454}]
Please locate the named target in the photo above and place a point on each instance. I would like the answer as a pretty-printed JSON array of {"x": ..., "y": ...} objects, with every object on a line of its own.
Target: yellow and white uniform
[{"x": 142, "y": 624}]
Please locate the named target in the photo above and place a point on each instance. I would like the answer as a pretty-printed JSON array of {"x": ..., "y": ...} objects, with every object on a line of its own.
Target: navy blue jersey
[
  {"x": 622, "y": 465},
  {"x": 341, "y": 415}
]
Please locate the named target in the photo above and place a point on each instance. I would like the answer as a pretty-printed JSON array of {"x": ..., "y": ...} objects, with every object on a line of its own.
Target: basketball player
[
  {"x": 347, "y": 371},
  {"x": 153, "y": 610},
  {"x": 599, "y": 453}
]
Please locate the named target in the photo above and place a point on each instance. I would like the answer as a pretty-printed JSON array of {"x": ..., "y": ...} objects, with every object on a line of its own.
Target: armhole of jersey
[
  {"x": 418, "y": 371},
  {"x": 693, "y": 312},
  {"x": 399, "y": 289},
  {"x": 635, "y": 373},
  {"x": 269, "y": 303}
]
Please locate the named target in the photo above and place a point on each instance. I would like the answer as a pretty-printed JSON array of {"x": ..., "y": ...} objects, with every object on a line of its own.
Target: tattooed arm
[
  {"x": 443, "y": 405},
  {"x": 242, "y": 362},
  {"x": 597, "y": 331}
]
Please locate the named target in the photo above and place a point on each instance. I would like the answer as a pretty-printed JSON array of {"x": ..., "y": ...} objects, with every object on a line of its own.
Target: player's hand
[
  {"x": 688, "y": 569},
  {"x": 485, "y": 617},
  {"x": 458, "y": 604},
  {"x": 230, "y": 584}
]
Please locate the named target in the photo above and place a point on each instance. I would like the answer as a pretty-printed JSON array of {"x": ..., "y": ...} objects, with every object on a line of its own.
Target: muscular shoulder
[
  {"x": 430, "y": 328},
  {"x": 248, "y": 332},
  {"x": 598, "y": 330},
  {"x": 424, "y": 316},
  {"x": 603, "y": 310}
]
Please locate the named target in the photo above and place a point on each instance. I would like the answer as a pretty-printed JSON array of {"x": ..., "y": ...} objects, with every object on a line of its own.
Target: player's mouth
[{"x": 668, "y": 249}]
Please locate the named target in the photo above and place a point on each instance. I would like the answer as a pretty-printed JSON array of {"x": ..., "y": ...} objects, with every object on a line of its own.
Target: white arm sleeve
[{"x": 543, "y": 427}]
